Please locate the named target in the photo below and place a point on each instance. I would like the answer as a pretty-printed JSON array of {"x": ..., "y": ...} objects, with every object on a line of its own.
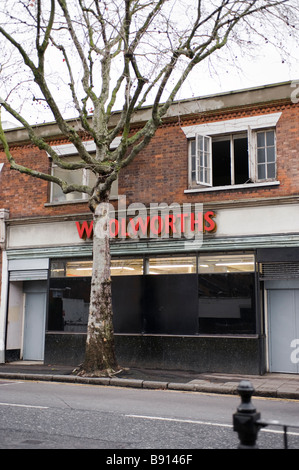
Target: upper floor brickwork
[{"x": 161, "y": 173}]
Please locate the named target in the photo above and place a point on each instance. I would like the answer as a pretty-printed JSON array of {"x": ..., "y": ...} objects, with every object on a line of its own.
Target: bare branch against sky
[{"x": 72, "y": 54}]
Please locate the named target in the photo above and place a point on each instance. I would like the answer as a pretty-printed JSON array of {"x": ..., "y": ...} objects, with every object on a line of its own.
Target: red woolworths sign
[{"x": 178, "y": 225}]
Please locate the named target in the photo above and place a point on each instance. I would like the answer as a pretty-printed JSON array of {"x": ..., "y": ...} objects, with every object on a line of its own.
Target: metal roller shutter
[
  {"x": 282, "y": 270},
  {"x": 29, "y": 275}
]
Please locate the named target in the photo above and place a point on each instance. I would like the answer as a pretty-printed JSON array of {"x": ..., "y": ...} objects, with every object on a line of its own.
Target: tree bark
[{"x": 100, "y": 357}]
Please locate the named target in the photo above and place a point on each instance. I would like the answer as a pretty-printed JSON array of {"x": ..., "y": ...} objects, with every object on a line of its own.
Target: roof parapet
[{"x": 180, "y": 108}]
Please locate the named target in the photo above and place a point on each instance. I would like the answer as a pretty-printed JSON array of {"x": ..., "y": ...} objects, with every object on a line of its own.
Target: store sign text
[{"x": 160, "y": 221}]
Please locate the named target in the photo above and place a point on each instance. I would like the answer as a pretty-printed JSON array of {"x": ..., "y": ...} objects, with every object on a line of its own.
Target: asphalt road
[{"x": 47, "y": 415}]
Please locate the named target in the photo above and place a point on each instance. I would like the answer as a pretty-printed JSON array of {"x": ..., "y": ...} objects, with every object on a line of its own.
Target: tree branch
[{"x": 66, "y": 188}]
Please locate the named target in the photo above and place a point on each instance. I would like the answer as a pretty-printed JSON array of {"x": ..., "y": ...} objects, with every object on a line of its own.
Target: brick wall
[
  {"x": 26, "y": 196},
  {"x": 160, "y": 172},
  {"x": 152, "y": 178}
]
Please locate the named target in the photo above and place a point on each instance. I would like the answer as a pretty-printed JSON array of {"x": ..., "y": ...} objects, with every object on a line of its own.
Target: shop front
[
  {"x": 213, "y": 308},
  {"x": 161, "y": 304}
]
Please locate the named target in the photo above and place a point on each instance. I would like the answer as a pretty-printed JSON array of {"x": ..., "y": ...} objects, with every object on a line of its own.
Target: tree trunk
[{"x": 100, "y": 356}]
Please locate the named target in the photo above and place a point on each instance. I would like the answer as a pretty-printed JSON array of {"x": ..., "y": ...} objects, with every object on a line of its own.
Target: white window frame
[
  {"x": 267, "y": 162},
  {"x": 251, "y": 125},
  {"x": 203, "y": 160},
  {"x": 69, "y": 150},
  {"x": 204, "y": 173},
  {"x": 72, "y": 196}
]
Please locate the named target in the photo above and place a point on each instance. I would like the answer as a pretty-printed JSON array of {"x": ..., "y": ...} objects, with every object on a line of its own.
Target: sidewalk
[{"x": 269, "y": 385}]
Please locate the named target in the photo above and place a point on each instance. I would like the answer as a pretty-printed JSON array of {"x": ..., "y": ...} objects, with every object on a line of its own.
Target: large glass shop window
[
  {"x": 69, "y": 295},
  {"x": 208, "y": 294},
  {"x": 226, "y": 294},
  {"x": 161, "y": 301},
  {"x": 69, "y": 304}
]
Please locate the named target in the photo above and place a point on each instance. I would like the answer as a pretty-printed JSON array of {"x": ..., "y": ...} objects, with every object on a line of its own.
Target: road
[{"x": 49, "y": 415}]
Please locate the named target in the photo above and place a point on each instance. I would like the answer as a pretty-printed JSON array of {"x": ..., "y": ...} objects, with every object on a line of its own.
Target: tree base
[{"x": 81, "y": 372}]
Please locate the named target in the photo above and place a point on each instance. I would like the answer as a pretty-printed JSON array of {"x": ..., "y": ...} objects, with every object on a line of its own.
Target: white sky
[
  {"x": 266, "y": 68},
  {"x": 260, "y": 71}
]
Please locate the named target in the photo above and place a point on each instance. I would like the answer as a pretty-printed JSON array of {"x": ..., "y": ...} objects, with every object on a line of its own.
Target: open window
[
  {"x": 222, "y": 160},
  {"x": 232, "y": 153},
  {"x": 203, "y": 160}
]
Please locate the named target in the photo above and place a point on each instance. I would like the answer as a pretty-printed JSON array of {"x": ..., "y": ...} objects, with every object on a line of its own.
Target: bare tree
[{"x": 116, "y": 54}]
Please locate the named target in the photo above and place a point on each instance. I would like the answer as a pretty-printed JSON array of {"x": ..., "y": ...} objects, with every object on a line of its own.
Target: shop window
[
  {"x": 169, "y": 304},
  {"x": 69, "y": 304},
  {"x": 164, "y": 304},
  {"x": 127, "y": 301},
  {"x": 71, "y": 268},
  {"x": 127, "y": 267},
  {"x": 172, "y": 265},
  {"x": 83, "y": 268},
  {"x": 226, "y": 293},
  {"x": 226, "y": 303},
  {"x": 225, "y": 263},
  {"x": 208, "y": 294}
]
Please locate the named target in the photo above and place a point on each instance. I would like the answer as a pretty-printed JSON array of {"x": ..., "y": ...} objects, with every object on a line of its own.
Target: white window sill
[{"x": 231, "y": 187}]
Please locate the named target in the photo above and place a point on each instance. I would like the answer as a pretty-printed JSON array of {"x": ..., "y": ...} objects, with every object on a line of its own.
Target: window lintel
[{"x": 232, "y": 126}]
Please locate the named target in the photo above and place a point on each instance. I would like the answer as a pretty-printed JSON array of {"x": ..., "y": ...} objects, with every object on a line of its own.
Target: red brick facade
[{"x": 160, "y": 172}]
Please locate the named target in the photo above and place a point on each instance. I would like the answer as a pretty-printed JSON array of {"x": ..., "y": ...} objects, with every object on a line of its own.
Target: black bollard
[{"x": 245, "y": 419}]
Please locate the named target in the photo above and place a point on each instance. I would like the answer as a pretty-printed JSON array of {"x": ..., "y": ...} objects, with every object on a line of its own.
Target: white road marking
[
  {"x": 2, "y": 384},
  {"x": 25, "y": 406},
  {"x": 192, "y": 421},
  {"x": 206, "y": 423}
]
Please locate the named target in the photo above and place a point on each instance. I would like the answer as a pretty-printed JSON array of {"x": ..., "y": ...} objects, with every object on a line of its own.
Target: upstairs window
[
  {"x": 266, "y": 155},
  {"x": 80, "y": 177},
  {"x": 221, "y": 159}
]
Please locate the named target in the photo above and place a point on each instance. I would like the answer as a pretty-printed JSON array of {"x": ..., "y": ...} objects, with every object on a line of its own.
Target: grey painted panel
[
  {"x": 28, "y": 264},
  {"x": 283, "y": 309},
  {"x": 34, "y": 326}
]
